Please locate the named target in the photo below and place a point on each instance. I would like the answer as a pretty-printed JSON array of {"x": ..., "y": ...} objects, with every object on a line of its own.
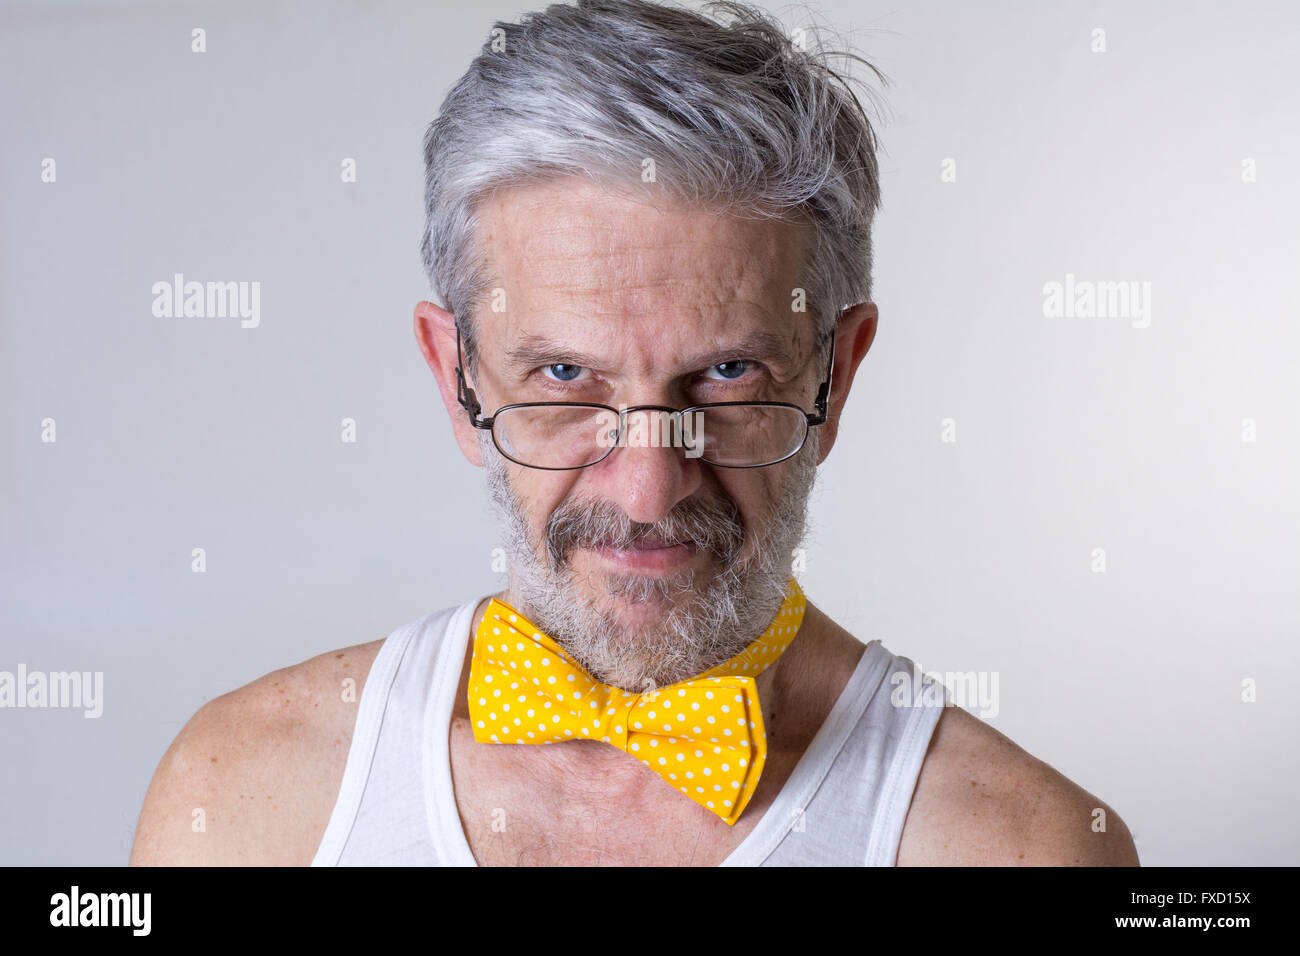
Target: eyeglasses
[{"x": 561, "y": 436}]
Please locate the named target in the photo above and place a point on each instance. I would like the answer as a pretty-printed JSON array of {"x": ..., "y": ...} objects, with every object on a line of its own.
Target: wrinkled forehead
[{"x": 630, "y": 276}]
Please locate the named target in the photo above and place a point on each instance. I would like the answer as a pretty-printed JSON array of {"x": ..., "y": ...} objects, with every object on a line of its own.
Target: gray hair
[{"x": 735, "y": 115}]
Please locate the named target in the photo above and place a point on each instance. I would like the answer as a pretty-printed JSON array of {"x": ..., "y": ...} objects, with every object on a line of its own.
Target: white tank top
[{"x": 843, "y": 805}]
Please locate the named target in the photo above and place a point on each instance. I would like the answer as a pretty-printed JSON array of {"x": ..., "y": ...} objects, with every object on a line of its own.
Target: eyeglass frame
[{"x": 469, "y": 401}]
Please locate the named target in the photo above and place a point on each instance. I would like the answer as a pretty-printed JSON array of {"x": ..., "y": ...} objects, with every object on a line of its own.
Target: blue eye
[
  {"x": 563, "y": 372},
  {"x": 732, "y": 370}
]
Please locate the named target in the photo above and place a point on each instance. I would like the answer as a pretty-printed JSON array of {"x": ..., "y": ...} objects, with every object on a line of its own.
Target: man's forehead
[{"x": 571, "y": 256}]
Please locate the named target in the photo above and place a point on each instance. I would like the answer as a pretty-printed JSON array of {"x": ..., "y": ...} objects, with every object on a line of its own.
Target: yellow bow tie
[{"x": 703, "y": 736}]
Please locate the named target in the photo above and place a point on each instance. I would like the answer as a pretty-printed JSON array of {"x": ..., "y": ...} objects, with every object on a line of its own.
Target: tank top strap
[
  {"x": 378, "y": 817},
  {"x": 865, "y": 764}
]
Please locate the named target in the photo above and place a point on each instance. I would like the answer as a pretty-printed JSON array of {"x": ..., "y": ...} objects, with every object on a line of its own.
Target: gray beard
[{"x": 702, "y": 628}]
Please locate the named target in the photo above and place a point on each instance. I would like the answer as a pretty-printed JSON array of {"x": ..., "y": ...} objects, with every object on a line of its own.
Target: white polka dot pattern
[{"x": 704, "y": 736}]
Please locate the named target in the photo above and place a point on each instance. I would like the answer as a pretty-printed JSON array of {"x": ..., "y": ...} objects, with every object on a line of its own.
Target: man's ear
[
  {"x": 855, "y": 330},
  {"x": 435, "y": 330}
]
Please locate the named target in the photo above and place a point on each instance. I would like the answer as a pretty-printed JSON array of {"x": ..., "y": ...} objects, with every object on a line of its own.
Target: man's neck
[{"x": 591, "y": 778}]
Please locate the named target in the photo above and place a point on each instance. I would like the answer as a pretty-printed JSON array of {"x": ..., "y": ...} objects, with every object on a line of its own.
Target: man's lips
[{"x": 649, "y": 554}]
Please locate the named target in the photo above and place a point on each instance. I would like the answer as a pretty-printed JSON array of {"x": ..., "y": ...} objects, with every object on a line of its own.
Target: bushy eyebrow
[{"x": 531, "y": 351}]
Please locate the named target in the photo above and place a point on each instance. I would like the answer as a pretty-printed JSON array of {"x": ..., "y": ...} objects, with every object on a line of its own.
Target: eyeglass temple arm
[
  {"x": 464, "y": 394},
  {"x": 824, "y": 392}
]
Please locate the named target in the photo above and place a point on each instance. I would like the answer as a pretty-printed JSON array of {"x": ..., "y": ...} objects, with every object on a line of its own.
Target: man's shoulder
[
  {"x": 981, "y": 800},
  {"x": 252, "y": 777}
]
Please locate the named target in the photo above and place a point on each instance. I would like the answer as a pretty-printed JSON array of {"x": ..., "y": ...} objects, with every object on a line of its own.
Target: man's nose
[{"x": 647, "y": 477}]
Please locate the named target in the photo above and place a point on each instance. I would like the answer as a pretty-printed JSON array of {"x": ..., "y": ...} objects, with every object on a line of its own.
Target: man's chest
[{"x": 518, "y": 809}]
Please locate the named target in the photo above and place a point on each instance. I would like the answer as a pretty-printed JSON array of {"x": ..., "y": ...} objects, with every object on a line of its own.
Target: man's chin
[{"x": 640, "y": 598}]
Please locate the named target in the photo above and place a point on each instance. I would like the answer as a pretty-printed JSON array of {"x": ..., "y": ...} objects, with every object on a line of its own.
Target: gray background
[{"x": 974, "y": 555}]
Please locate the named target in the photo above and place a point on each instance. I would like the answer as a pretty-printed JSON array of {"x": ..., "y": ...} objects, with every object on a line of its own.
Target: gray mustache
[{"x": 712, "y": 525}]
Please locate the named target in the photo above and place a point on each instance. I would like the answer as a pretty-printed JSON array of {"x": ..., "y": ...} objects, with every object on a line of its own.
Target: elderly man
[{"x": 644, "y": 225}]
